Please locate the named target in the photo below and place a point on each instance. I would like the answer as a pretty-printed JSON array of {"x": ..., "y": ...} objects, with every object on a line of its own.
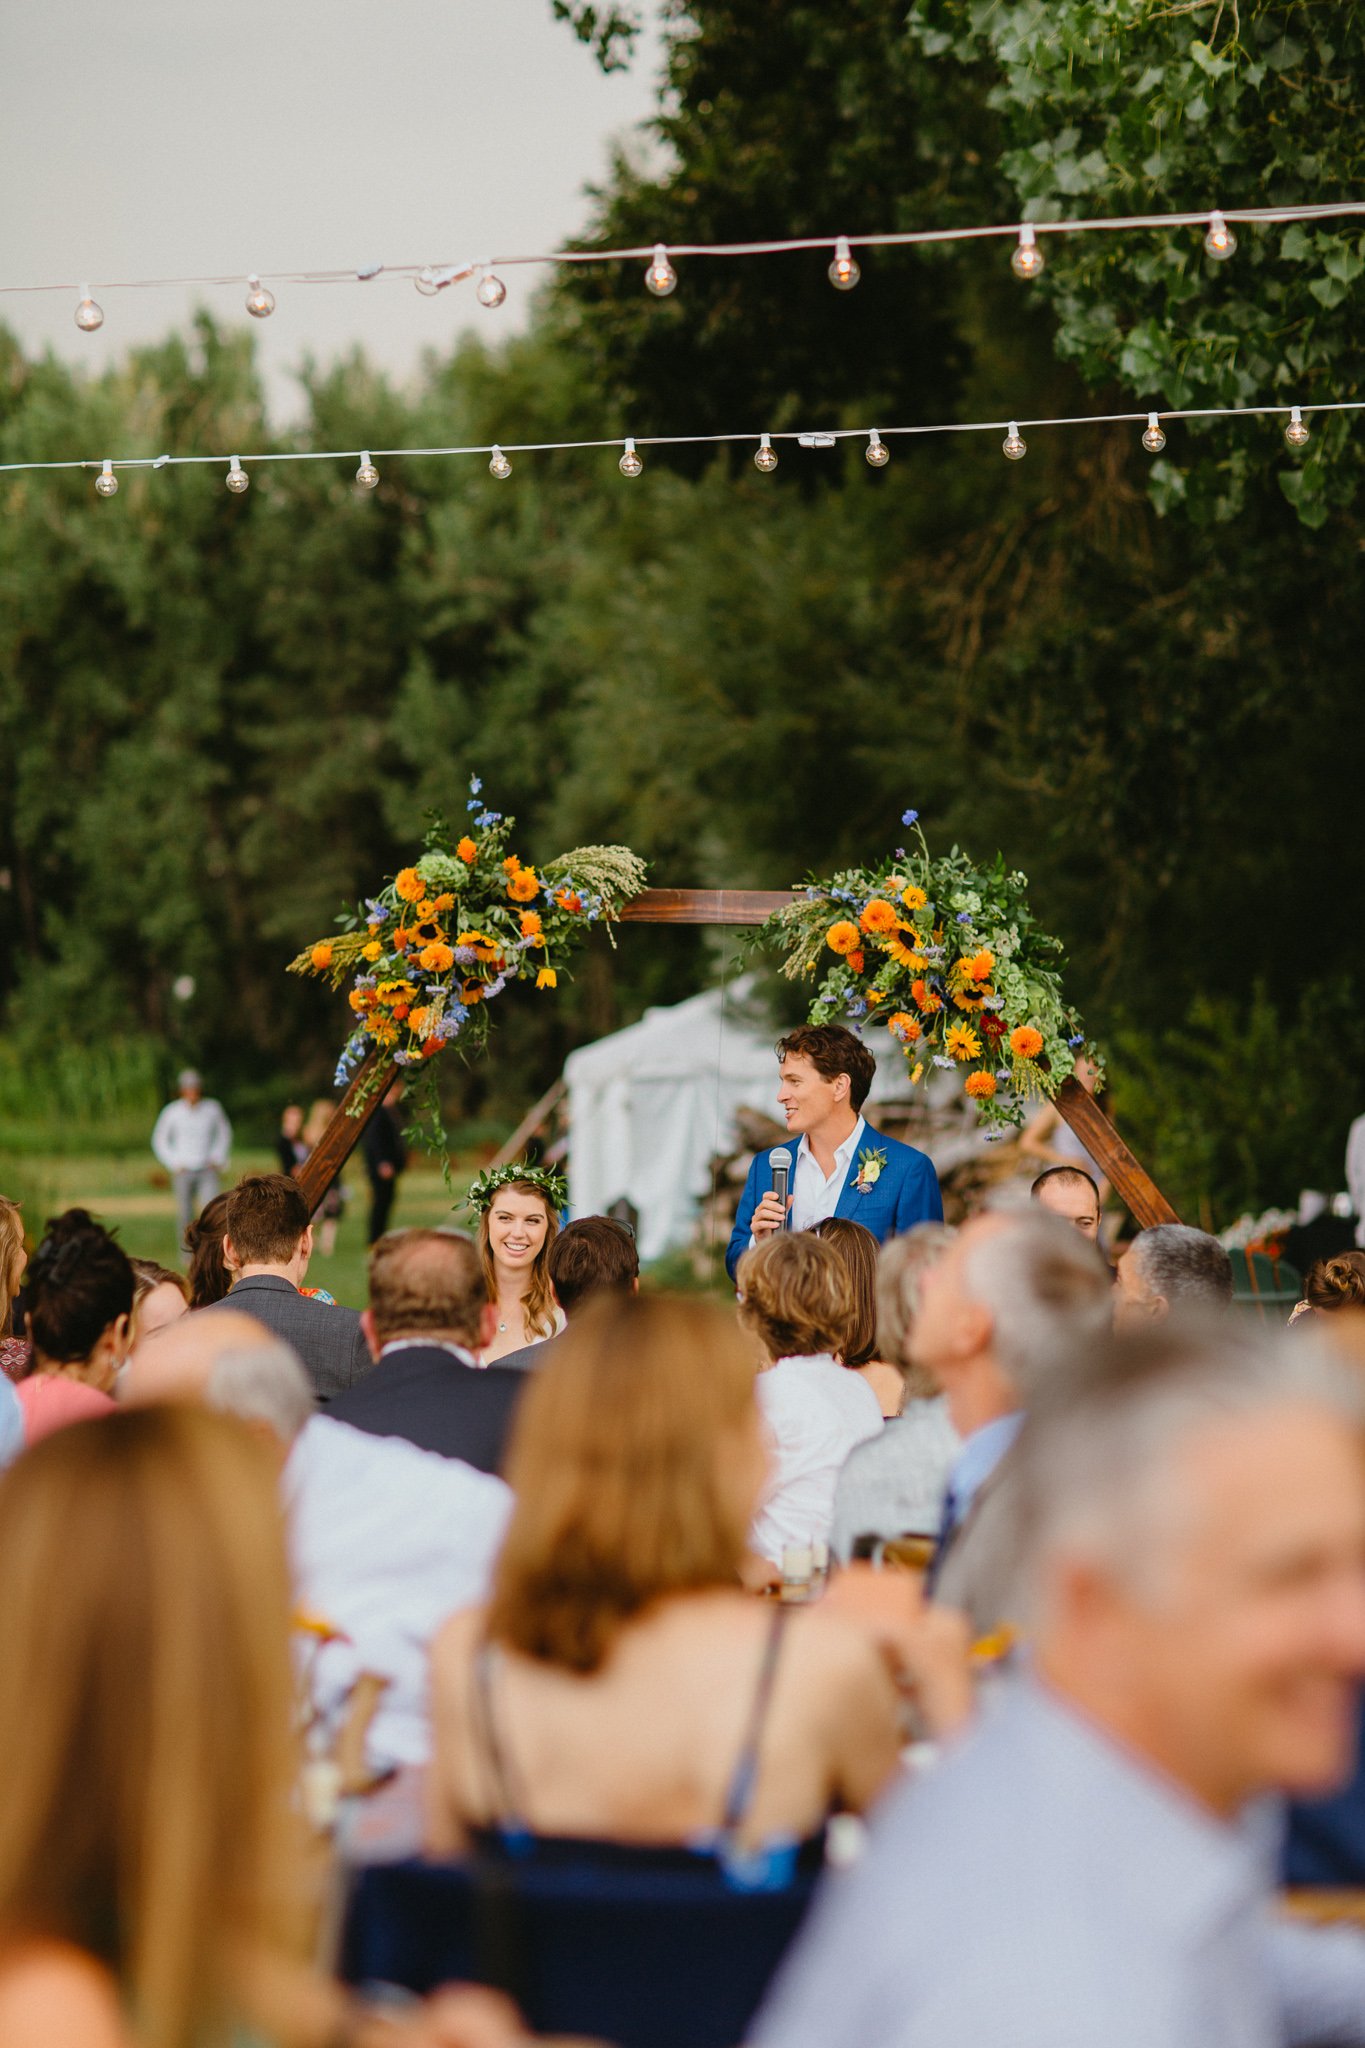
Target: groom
[{"x": 842, "y": 1167}]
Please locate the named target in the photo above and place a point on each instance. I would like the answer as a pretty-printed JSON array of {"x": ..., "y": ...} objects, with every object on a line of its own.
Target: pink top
[{"x": 51, "y": 1399}]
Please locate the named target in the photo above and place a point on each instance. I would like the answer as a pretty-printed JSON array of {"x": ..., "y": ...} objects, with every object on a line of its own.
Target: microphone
[{"x": 780, "y": 1161}]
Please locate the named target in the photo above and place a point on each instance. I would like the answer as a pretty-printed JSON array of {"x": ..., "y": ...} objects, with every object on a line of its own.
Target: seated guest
[
  {"x": 1078, "y": 1870},
  {"x": 1171, "y": 1266},
  {"x": 858, "y": 1249},
  {"x": 893, "y": 1484},
  {"x": 159, "y": 1297},
  {"x": 13, "y": 1260},
  {"x": 1074, "y": 1195},
  {"x": 267, "y": 1243},
  {"x": 1002, "y": 1309},
  {"x": 80, "y": 1307},
  {"x": 428, "y": 1317},
  {"x": 841, "y": 1166},
  {"x": 794, "y": 1300},
  {"x": 619, "y": 1686},
  {"x": 1332, "y": 1285},
  {"x": 208, "y": 1278},
  {"x": 154, "y": 1890},
  {"x": 592, "y": 1255}
]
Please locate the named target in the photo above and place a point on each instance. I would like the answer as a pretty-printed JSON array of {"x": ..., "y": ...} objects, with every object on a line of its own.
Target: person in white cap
[{"x": 192, "y": 1139}]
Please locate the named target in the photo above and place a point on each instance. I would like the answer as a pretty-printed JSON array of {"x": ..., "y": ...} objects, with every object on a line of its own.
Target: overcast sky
[{"x": 160, "y": 138}]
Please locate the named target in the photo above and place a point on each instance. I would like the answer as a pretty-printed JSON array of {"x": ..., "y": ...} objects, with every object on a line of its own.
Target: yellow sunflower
[{"x": 962, "y": 1042}]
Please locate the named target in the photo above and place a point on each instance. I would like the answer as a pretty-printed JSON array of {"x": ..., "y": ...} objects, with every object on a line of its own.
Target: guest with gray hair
[
  {"x": 1171, "y": 1266},
  {"x": 1082, "y": 1869}
]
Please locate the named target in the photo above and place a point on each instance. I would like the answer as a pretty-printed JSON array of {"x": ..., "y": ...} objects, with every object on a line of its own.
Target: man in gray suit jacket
[{"x": 267, "y": 1243}]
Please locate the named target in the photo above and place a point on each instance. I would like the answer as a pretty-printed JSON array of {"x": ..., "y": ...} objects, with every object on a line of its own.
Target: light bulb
[
  {"x": 1219, "y": 242},
  {"x": 1014, "y": 446},
  {"x": 843, "y": 271},
  {"x": 1153, "y": 440},
  {"x": 1028, "y": 260},
  {"x": 630, "y": 464},
  {"x": 765, "y": 457},
  {"x": 260, "y": 301},
  {"x": 425, "y": 282},
  {"x": 237, "y": 478},
  {"x": 367, "y": 476},
  {"x": 106, "y": 483},
  {"x": 877, "y": 452},
  {"x": 498, "y": 464},
  {"x": 661, "y": 278},
  {"x": 490, "y": 290},
  {"x": 89, "y": 316},
  {"x": 1296, "y": 433}
]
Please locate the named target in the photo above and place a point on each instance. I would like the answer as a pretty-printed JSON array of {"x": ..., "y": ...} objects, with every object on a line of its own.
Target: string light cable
[
  {"x": 631, "y": 463},
  {"x": 1028, "y": 259}
]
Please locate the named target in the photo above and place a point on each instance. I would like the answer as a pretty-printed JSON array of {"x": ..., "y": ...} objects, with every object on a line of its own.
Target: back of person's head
[
  {"x": 857, "y": 1251},
  {"x": 1182, "y": 1266},
  {"x": 427, "y": 1281},
  {"x": 159, "y": 1297},
  {"x": 592, "y": 1255},
  {"x": 266, "y": 1219},
  {"x": 208, "y": 1278},
  {"x": 900, "y": 1264},
  {"x": 146, "y": 1755},
  {"x": 11, "y": 1260},
  {"x": 174, "y": 1363},
  {"x": 79, "y": 1282},
  {"x": 1046, "y": 1287},
  {"x": 264, "y": 1384},
  {"x": 794, "y": 1294},
  {"x": 1336, "y": 1283},
  {"x": 833, "y": 1050},
  {"x": 636, "y": 1462}
]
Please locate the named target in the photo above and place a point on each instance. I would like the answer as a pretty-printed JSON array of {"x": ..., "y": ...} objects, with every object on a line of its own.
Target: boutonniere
[{"x": 870, "y": 1162}]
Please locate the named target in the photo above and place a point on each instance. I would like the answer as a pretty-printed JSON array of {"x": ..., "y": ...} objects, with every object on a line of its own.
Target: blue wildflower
[
  {"x": 475, "y": 784},
  {"x": 1076, "y": 1042},
  {"x": 909, "y": 817},
  {"x": 964, "y": 917},
  {"x": 901, "y": 853},
  {"x": 940, "y": 1061},
  {"x": 375, "y": 911},
  {"x": 495, "y": 988},
  {"x": 474, "y": 804},
  {"x": 486, "y": 818},
  {"x": 857, "y": 1008},
  {"x": 465, "y": 956}
]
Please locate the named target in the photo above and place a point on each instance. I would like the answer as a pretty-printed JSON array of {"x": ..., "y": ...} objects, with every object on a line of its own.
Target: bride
[{"x": 519, "y": 1208}]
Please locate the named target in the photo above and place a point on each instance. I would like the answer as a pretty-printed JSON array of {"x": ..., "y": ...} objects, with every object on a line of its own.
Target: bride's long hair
[{"x": 538, "y": 1302}]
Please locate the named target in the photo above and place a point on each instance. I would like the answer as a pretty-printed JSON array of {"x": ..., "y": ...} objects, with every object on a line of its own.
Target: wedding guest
[
  {"x": 192, "y": 1139},
  {"x": 208, "y": 1278},
  {"x": 794, "y": 1301},
  {"x": 80, "y": 1310},
  {"x": 1171, "y": 1266},
  {"x": 618, "y": 1685},
  {"x": 1332, "y": 1285},
  {"x": 153, "y": 1887},
  {"x": 290, "y": 1146},
  {"x": 1073, "y": 1194},
  {"x": 1050, "y": 1138},
  {"x": 13, "y": 1261},
  {"x": 385, "y": 1152},
  {"x": 327, "y": 1216},
  {"x": 590, "y": 1256},
  {"x": 159, "y": 1297},
  {"x": 857, "y": 1249},
  {"x": 429, "y": 1317},
  {"x": 841, "y": 1167},
  {"x": 267, "y": 1243},
  {"x": 893, "y": 1484},
  {"x": 1193, "y": 1544},
  {"x": 518, "y": 1208}
]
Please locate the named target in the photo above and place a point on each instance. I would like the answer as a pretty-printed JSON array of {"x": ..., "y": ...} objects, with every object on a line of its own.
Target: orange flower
[
  {"x": 511, "y": 864},
  {"x": 360, "y": 999},
  {"x": 524, "y": 885},
  {"x": 400, "y": 1011},
  {"x": 1025, "y": 1042},
  {"x": 467, "y": 850},
  {"x": 980, "y": 1087},
  {"x": 530, "y": 924},
  {"x": 903, "y": 1026},
  {"x": 913, "y": 897},
  {"x": 402, "y": 939},
  {"x": 426, "y": 908},
  {"x": 547, "y": 978},
  {"x": 430, "y": 1046},
  {"x": 321, "y": 955},
  {"x": 980, "y": 967},
  {"x": 925, "y": 997},
  {"x": 472, "y": 992},
  {"x": 857, "y": 961},
  {"x": 445, "y": 902},
  {"x": 420, "y": 1020},
  {"x": 842, "y": 937},
  {"x": 408, "y": 883},
  {"x": 373, "y": 951},
  {"x": 436, "y": 958},
  {"x": 569, "y": 899},
  {"x": 879, "y": 916}
]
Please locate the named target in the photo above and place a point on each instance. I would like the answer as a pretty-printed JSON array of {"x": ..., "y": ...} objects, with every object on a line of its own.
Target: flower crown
[{"x": 543, "y": 1178}]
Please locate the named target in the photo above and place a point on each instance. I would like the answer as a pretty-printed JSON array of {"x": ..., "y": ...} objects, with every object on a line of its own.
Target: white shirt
[
  {"x": 1355, "y": 1175},
  {"x": 815, "y": 1411},
  {"x": 189, "y": 1136},
  {"x": 386, "y": 1541},
  {"x": 813, "y": 1197}
]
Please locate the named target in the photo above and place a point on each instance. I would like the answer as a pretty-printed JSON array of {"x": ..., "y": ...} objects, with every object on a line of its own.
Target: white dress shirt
[
  {"x": 815, "y": 1411},
  {"x": 386, "y": 1541},
  {"x": 813, "y": 1197},
  {"x": 188, "y": 1136}
]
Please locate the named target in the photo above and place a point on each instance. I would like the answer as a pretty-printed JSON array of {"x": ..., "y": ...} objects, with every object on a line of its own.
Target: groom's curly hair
[{"x": 831, "y": 1050}]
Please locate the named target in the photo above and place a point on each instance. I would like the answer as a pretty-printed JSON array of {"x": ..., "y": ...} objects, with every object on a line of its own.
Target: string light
[
  {"x": 1014, "y": 447},
  {"x": 367, "y": 476},
  {"x": 661, "y": 278},
  {"x": 89, "y": 316},
  {"x": 630, "y": 463},
  {"x": 1219, "y": 242},
  {"x": 260, "y": 302},
  {"x": 877, "y": 452},
  {"x": 237, "y": 478},
  {"x": 766, "y": 455},
  {"x": 498, "y": 464},
  {"x": 106, "y": 483},
  {"x": 490, "y": 290},
  {"x": 1153, "y": 440},
  {"x": 1028, "y": 260},
  {"x": 843, "y": 271},
  {"x": 1296, "y": 433}
]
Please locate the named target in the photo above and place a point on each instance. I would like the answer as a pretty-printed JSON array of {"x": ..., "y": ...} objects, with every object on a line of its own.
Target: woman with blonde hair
[
  {"x": 151, "y": 1893},
  {"x": 13, "y": 1260},
  {"x": 619, "y": 1685},
  {"x": 518, "y": 1208}
]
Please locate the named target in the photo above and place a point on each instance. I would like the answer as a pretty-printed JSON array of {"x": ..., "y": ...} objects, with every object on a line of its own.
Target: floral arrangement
[
  {"x": 439, "y": 943},
  {"x": 950, "y": 958},
  {"x": 552, "y": 1185}
]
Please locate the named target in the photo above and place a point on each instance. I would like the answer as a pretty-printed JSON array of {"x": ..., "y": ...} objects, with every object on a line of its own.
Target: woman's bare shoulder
[
  {"x": 51, "y": 1993},
  {"x": 457, "y": 1638}
]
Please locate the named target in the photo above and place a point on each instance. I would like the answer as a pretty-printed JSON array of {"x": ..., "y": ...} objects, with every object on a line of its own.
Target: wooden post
[
  {"x": 1133, "y": 1183},
  {"x": 342, "y": 1134}
]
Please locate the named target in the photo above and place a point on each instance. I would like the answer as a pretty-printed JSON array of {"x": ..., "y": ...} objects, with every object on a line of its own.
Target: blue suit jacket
[{"x": 906, "y": 1193}]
